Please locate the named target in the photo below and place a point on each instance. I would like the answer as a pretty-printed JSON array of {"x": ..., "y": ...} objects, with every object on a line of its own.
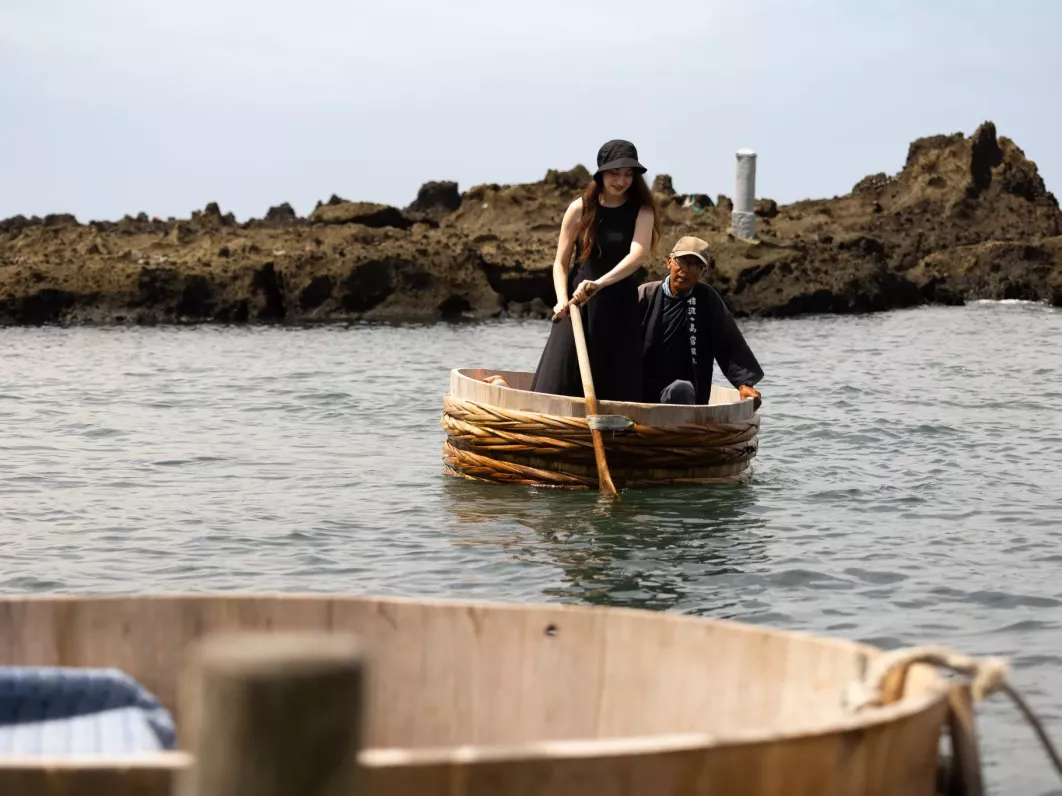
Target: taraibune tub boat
[
  {"x": 466, "y": 699},
  {"x": 511, "y": 435}
]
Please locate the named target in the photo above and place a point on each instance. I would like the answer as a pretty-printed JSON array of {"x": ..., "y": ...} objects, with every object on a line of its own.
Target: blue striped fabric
[{"x": 73, "y": 711}]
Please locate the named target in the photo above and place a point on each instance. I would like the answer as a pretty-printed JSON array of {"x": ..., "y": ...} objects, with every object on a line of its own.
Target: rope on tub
[
  {"x": 490, "y": 443},
  {"x": 883, "y": 684}
]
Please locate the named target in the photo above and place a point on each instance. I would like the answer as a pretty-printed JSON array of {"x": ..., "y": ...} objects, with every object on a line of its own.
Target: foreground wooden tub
[
  {"x": 515, "y": 436},
  {"x": 514, "y": 699}
]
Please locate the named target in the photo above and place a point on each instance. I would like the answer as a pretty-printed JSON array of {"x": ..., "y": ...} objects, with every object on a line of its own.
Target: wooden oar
[{"x": 604, "y": 478}]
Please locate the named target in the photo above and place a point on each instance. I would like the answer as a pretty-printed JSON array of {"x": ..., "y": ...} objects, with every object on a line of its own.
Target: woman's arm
[
  {"x": 643, "y": 236},
  {"x": 565, "y": 247}
]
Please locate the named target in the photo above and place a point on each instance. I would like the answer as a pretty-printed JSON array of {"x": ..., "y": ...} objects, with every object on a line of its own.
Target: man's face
[{"x": 685, "y": 272}]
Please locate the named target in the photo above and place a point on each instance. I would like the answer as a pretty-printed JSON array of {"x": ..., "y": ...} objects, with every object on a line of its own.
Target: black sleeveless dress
[{"x": 610, "y": 321}]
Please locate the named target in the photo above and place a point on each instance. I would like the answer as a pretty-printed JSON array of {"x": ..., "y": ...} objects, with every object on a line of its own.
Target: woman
[{"x": 613, "y": 228}]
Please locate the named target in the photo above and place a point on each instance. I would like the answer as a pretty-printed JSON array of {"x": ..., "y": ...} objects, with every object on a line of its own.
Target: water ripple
[{"x": 905, "y": 492}]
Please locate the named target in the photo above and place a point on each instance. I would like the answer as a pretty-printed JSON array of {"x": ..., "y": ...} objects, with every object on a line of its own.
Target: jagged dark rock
[
  {"x": 966, "y": 218},
  {"x": 436, "y": 198},
  {"x": 574, "y": 179},
  {"x": 662, "y": 185},
  {"x": 367, "y": 214},
  {"x": 317, "y": 292},
  {"x": 871, "y": 183},
  {"x": 19, "y": 223},
  {"x": 44, "y": 306},
  {"x": 766, "y": 208},
  {"x": 281, "y": 215}
]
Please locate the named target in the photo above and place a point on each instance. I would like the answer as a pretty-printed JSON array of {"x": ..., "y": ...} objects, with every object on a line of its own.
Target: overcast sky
[{"x": 110, "y": 107}]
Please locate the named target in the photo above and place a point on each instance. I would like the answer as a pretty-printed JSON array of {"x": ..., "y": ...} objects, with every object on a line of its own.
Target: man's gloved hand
[{"x": 745, "y": 391}]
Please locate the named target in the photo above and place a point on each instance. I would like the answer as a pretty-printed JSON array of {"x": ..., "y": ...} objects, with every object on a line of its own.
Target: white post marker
[{"x": 743, "y": 216}]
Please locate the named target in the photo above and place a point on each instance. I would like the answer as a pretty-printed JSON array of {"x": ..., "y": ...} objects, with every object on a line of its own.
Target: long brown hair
[{"x": 586, "y": 232}]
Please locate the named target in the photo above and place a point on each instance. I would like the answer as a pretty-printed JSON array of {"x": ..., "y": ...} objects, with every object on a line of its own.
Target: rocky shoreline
[{"x": 968, "y": 217}]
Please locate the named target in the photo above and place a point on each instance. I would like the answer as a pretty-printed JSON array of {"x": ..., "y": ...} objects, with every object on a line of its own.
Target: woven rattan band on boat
[{"x": 488, "y": 443}]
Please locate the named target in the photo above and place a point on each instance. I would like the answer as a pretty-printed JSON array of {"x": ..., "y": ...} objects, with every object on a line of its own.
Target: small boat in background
[
  {"x": 511, "y": 435},
  {"x": 470, "y": 699}
]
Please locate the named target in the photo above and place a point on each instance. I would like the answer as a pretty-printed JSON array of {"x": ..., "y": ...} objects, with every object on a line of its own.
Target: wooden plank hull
[
  {"x": 523, "y": 700},
  {"x": 516, "y": 436}
]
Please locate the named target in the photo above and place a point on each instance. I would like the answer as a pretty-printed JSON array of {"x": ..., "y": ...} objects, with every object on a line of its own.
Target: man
[{"x": 685, "y": 326}]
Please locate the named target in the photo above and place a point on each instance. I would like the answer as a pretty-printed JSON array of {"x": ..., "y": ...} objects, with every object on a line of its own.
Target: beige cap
[{"x": 692, "y": 246}]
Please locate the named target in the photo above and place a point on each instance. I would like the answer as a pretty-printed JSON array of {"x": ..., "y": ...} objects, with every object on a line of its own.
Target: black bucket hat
[{"x": 618, "y": 154}]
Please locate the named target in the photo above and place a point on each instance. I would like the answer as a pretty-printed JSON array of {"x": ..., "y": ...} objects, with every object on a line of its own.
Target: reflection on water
[{"x": 652, "y": 549}]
